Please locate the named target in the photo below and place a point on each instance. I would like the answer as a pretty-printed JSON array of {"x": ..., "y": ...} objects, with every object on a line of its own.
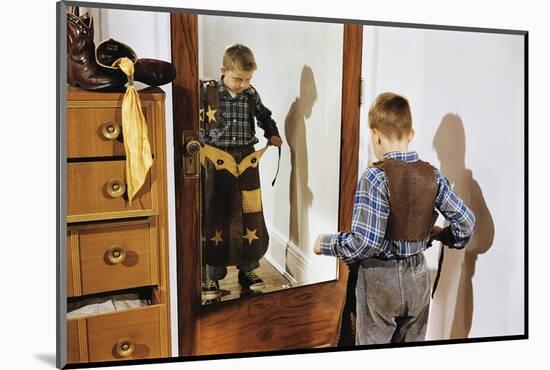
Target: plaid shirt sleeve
[
  {"x": 461, "y": 219},
  {"x": 263, "y": 117},
  {"x": 370, "y": 215}
]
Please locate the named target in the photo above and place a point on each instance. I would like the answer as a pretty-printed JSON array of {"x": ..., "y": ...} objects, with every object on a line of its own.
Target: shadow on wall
[
  {"x": 300, "y": 195},
  {"x": 453, "y": 304}
]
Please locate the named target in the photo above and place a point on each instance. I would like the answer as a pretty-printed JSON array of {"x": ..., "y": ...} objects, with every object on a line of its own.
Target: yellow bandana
[{"x": 134, "y": 131}]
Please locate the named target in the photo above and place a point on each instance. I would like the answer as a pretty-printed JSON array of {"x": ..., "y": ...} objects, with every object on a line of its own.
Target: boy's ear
[
  {"x": 411, "y": 135},
  {"x": 222, "y": 70},
  {"x": 375, "y": 136}
]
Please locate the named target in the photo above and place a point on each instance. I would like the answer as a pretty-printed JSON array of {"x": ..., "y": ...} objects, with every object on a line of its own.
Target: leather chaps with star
[{"x": 233, "y": 225}]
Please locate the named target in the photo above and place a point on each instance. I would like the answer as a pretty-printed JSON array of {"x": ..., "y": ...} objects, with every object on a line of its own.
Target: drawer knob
[
  {"x": 116, "y": 188},
  {"x": 116, "y": 255},
  {"x": 110, "y": 130},
  {"x": 125, "y": 348}
]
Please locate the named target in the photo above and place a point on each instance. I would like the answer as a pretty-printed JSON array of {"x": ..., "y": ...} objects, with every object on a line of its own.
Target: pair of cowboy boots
[{"x": 91, "y": 68}]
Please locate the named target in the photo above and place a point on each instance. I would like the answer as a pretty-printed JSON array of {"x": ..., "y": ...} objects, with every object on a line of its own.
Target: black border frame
[{"x": 61, "y": 227}]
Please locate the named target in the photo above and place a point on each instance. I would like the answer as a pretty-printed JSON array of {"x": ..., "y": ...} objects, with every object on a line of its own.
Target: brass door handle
[
  {"x": 116, "y": 188},
  {"x": 191, "y": 160},
  {"x": 125, "y": 348},
  {"x": 116, "y": 255},
  {"x": 111, "y": 130},
  {"x": 192, "y": 147}
]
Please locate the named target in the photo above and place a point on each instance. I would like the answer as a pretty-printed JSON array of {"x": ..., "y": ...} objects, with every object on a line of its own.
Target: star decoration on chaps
[
  {"x": 250, "y": 235},
  {"x": 211, "y": 114},
  {"x": 217, "y": 238},
  {"x": 201, "y": 115}
]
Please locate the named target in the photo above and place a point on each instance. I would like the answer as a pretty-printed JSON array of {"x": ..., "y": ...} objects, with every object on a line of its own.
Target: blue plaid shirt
[
  {"x": 236, "y": 126},
  {"x": 370, "y": 215}
]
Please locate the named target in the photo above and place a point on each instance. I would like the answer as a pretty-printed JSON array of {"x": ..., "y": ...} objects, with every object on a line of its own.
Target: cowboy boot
[
  {"x": 153, "y": 72},
  {"x": 82, "y": 68},
  {"x": 108, "y": 51}
]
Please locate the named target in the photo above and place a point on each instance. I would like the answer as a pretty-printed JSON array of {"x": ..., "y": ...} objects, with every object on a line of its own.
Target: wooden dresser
[{"x": 114, "y": 248}]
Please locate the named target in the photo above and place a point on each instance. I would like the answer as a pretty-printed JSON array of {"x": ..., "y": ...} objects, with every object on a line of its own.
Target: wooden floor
[{"x": 231, "y": 289}]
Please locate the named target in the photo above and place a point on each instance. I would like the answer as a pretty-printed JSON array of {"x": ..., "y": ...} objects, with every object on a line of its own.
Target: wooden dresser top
[{"x": 149, "y": 93}]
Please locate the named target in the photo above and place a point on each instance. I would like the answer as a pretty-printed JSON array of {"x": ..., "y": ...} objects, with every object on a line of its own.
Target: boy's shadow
[
  {"x": 455, "y": 286},
  {"x": 300, "y": 195}
]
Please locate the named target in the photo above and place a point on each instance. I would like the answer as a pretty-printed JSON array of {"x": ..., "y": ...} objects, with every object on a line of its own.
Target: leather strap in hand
[
  {"x": 278, "y": 164},
  {"x": 445, "y": 236}
]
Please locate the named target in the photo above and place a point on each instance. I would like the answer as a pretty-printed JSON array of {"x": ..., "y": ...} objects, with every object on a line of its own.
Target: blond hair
[
  {"x": 391, "y": 114},
  {"x": 240, "y": 57}
]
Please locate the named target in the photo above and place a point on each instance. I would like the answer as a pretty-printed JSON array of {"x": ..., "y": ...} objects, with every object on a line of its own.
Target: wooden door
[{"x": 297, "y": 318}]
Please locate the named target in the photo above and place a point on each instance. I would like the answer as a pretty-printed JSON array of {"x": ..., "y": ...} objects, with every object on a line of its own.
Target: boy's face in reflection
[{"x": 236, "y": 80}]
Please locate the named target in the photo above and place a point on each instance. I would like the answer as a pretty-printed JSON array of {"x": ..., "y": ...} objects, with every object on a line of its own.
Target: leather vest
[{"x": 412, "y": 193}]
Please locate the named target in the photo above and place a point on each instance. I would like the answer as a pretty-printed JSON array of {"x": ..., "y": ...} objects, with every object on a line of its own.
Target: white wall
[
  {"x": 473, "y": 81},
  {"x": 299, "y": 79},
  {"x": 148, "y": 33}
]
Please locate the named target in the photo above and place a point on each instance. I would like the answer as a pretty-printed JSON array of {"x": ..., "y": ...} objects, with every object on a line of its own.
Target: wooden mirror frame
[{"x": 302, "y": 317}]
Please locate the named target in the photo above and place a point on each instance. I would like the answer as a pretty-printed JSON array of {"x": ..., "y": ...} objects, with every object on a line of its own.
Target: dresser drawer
[
  {"x": 106, "y": 257},
  {"x": 96, "y": 131},
  {"x": 92, "y": 188},
  {"x": 137, "y": 333}
]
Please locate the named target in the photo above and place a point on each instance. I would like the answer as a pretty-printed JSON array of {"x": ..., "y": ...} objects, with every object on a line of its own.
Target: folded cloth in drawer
[
  {"x": 97, "y": 305},
  {"x": 89, "y": 307},
  {"x": 124, "y": 301}
]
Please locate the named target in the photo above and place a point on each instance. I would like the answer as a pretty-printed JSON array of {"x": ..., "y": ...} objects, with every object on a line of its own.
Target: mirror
[{"x": 247, "y": 221}]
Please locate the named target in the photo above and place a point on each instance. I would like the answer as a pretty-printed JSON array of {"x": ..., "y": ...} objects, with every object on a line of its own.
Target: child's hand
[
  {"x": 433, "y": 235},
  {"x": 443, "y": 235},
  {"x": 435, "y": 230},
  {"x": 275, "y": 140},
  {"x": 317, "y": 246}
]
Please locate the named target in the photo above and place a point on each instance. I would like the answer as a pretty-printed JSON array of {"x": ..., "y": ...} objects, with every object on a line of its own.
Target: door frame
[{"x": 302, "y": 317}]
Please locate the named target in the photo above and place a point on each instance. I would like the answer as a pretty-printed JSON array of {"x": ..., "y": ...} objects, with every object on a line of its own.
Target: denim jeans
[{"x": 393, "y": 300}]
